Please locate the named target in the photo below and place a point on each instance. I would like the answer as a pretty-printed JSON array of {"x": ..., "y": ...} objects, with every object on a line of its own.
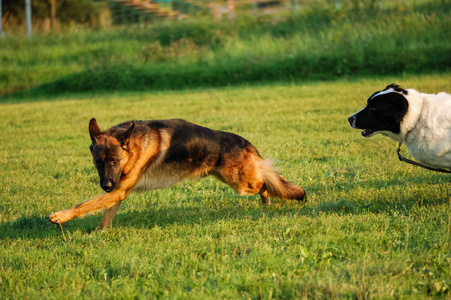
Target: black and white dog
[{"x": 421, "y": 121}]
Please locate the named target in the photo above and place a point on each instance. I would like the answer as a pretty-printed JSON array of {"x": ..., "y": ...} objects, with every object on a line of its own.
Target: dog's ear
[
  {"x": 124, "y": 137},
  {"x": 94, "y": 130}
]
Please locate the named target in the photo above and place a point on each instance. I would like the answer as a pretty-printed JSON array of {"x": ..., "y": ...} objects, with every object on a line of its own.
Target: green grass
[
  {"x": 317, "y": 44},
  {"x": 373, "y": 227}
]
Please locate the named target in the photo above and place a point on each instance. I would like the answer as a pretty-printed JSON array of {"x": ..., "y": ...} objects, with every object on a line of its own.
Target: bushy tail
[{"x": 276, "y": 184}]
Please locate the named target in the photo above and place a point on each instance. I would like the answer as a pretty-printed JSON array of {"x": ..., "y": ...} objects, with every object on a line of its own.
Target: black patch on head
[
  {"x": 383, "y": 112},
  {"x": 393, "y": 86},
  {"x": 396, "y": 88}
]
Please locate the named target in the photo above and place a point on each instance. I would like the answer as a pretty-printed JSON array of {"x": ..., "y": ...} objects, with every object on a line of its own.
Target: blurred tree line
[
  {"x": 65, "y": 11},
  {"x": 371, "y": 4}
]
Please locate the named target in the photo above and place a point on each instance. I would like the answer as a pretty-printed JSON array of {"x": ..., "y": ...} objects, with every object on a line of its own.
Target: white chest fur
[{"x": 159, "y": 179}]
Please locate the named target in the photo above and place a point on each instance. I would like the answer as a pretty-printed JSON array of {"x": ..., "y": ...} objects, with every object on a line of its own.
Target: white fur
[
  {"x": 151, "y": 181},
  {"x": 387, "y": 91},
  {"x": 426, "y": 128}
]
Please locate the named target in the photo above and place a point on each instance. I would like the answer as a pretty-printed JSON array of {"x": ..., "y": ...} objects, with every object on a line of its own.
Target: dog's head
[
  {"x": 110, "y": 153},
  {"x": 383, "y": 113}
]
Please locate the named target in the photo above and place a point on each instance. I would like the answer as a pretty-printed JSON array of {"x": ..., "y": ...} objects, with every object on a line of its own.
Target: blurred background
[{"x": 85, "y": 45}]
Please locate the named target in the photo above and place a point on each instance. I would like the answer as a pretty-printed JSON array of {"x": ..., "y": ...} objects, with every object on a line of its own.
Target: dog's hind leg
[
  {"x": 109, "y": 215},
  {"x": 266, "y": 199}
]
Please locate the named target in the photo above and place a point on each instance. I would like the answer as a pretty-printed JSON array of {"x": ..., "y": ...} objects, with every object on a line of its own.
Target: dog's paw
[{"x": 61, "y": 216}]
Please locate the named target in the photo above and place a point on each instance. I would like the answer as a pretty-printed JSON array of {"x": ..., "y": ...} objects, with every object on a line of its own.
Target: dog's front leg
[
  {"x": 109, "y": 215},
  {"x": 104, "y": 201}
]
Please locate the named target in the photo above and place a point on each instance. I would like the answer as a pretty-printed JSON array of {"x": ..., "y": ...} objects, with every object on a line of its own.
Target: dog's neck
[{"x": 411, "y": 118}]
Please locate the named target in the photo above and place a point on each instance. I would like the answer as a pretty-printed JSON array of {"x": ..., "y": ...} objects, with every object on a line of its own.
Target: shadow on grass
[
  {"x": 403, "y": 202},
  {"x": 37, "y": 226}
]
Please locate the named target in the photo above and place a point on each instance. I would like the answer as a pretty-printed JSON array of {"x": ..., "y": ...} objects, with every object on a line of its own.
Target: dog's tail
[{"x": 276, "y": 184}]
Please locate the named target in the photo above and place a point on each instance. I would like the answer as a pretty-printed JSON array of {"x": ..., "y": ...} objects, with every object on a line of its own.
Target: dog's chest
[
  {"x": 431, "y": 147},
  {"x": 158, "y": 179}
]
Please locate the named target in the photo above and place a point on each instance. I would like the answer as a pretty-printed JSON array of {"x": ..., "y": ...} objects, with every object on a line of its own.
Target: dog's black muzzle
[{"x": 107, "y": 186}]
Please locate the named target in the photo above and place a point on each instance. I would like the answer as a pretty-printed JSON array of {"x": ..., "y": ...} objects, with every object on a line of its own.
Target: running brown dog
[{"x": 156, "y": 154}]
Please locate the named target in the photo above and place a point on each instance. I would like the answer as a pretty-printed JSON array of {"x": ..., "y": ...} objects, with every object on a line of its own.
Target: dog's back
[{"x": 191, "y": 151}]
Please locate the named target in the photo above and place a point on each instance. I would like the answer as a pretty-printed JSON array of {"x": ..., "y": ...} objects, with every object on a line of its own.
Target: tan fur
[{"x": 141, "y": 161}]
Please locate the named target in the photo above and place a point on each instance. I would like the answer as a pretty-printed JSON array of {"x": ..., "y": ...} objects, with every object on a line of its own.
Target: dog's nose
[
  {"x": 107, "y": 186},
  {"x": 351, "y": 120}
]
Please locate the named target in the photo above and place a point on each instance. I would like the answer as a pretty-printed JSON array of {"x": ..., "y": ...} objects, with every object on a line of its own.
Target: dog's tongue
[{"x": 367, "y": 133}]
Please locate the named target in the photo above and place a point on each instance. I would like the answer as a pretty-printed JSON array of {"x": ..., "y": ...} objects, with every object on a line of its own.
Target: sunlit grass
[
  {"x": 373, "y": 226},
  {"x": 317, "y": 44}
]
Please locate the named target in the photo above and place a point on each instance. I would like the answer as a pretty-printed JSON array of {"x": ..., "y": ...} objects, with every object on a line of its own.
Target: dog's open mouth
[{"x": 368, "y": 133}]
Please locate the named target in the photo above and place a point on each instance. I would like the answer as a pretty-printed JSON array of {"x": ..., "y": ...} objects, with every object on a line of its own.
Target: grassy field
[
  {"x": 373, "y": 227},
  {"x": 318, "y": 43}
]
